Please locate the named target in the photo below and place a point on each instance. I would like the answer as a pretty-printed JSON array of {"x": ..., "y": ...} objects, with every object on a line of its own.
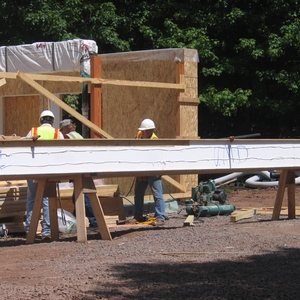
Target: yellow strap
[{"x": 149, "y": 221}]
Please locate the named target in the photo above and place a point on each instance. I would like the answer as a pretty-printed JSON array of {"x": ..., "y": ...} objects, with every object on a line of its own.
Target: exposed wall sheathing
[
  {"x": 22, "y": 113},
  {"x": 23, "y": 104},
  {"x": 123, "y": 108}
]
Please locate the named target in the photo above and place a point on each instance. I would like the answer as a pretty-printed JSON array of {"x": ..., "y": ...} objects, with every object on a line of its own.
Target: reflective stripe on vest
[
  {"x": 153, "y": 136},
  {"x": 74, "y": 135},
  {"x": 45, "y": 132}
]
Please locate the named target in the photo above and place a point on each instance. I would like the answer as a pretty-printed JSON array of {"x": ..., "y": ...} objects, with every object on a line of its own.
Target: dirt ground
[{"x": 253, "y": 258}]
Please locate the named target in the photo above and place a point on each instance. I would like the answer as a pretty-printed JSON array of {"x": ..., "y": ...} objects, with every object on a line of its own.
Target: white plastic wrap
[{"x": 48, "y": 57}]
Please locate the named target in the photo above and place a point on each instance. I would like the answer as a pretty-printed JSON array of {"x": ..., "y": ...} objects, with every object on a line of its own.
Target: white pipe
[
  {"x": 227, "y": 177},
  {"x": 256, "y": 180}
]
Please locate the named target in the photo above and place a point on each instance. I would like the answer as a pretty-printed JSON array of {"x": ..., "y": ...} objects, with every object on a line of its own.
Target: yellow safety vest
[
  {"x": 45, "y": 132},
  {"x": 74, "y": 135},
  {"x": 139, "y": 136},
  {"x": 153, "y": 136}
]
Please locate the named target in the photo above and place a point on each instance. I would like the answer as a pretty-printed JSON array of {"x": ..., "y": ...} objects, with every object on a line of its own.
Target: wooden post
[
  {"x": 179, "y": 76},
  {"x": 80, "y": 209},
  {"x": 290, "y": 181},
  {"x": 90, "y": 189},
  {"x": 50, "y": 192},
  {"x": 287, "y": 178},
  {"x": 96, "y": 95},
  {"x": 36, "y": 212}
]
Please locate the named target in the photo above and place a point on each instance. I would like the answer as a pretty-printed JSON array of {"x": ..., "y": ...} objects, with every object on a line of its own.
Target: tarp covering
[{"x": 48, "y": 57}]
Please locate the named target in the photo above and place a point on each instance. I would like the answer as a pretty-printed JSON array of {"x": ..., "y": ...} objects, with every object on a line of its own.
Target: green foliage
[
  {"x": 249, "y": 50},
  {"x": 73, "y": 102},
  {"x": 225, "y": 101}
]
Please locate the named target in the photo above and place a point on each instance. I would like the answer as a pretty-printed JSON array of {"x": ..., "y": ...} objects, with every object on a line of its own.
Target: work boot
[
  {"x": 159, "y": 223},
  {"x": 136, "y": 220}
]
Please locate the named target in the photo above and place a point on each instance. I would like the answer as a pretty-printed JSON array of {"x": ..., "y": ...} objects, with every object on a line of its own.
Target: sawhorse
[
  {"x": 46, "y": 187},
  {"x": 287, "y": 179}
]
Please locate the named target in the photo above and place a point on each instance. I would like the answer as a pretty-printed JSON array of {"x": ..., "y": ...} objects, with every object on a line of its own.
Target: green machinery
[{"x": 208, "y": 201}]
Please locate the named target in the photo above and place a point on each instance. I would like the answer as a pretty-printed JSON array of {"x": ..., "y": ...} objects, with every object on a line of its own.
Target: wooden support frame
[
  {"x": 96, "y": 94},
  {"x": 96, "y": 97},
  {"x": 46, "y": 187},
  {"x": 287, "y": 179}
]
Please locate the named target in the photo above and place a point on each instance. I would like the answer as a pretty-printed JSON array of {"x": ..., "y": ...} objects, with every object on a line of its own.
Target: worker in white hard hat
[
  {"x": 146, "y": 131},
  {"x": 47, "y": 132},
  {"x": 68, "y": 129}
]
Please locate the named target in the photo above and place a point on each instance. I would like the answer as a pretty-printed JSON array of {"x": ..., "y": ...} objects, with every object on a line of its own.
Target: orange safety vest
[{"x": 46, "y": 132}]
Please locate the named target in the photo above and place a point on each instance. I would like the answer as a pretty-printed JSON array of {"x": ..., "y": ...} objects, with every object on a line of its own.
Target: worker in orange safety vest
[{"x": 46, "y": 132}]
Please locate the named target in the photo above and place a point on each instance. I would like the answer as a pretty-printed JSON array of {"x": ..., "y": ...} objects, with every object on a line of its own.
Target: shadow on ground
[{"x": 268, "y": 276}]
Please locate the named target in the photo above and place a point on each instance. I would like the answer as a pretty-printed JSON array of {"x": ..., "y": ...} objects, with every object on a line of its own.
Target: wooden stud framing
[{"x": 96, "y": 94}]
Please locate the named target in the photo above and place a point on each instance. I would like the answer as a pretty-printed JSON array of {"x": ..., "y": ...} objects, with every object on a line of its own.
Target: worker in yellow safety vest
[
  {"x": 68, "y": 129},
  {"x": 46, "y": 132},
  {"x": 146, "y": 131}
]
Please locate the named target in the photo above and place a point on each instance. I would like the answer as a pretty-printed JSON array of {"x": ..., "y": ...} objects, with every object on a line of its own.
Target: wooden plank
[
  {"x": 2, "y": 81},
  {"x": 53, "y": 219},
  {"x": 80, "y": 210},
  {"x": 111, "y": 220},
  {"x": 113, "y": 206},
  {"x": 242, "y": 214},
  {"x": 108, "y": 190},
  {"x": 189, "y": 220},
  {"x": 38, "y": 202},
  {"x": 279, "y": 195},
  {"x": 41, "y": 77},
  {"x": 174, "y": 183},
  {"x": 96, "y": 94},
  {"x": 99, "y": 215},
  {"x": 166, "y": 196},
  {"x": 13, "y": 183},
  {"x": 291, "y": 195},
  {"x": 61, "y": 104}
]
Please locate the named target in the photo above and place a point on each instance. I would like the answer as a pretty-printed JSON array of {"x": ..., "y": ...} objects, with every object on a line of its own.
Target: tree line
[{"x": 248, "y": 50}]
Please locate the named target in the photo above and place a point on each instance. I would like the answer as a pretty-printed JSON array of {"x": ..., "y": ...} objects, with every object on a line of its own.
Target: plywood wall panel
[
  {"x": 125, "y": 107},
  {"x": 20, "y": 120}
]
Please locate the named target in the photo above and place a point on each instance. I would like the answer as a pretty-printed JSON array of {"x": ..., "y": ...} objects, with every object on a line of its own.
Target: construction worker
[
  {"x": 46, "y": 132},
  {"x": 68, "y": 129},
  {"x": 146, "y": 131}
]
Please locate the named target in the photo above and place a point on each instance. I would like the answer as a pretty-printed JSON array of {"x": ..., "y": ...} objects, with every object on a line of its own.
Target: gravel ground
[{"x": 254, "y": 258}]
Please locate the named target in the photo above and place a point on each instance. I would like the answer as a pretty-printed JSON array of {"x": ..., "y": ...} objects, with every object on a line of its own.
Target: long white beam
[{"x": 114, "y": 158}]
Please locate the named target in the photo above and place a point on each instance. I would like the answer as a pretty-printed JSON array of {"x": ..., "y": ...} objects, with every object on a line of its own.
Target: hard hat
[
  {"x": 46, "y": 113},
  {"x": 147, "y": 124},
  {"x": 64, "y": 123}
]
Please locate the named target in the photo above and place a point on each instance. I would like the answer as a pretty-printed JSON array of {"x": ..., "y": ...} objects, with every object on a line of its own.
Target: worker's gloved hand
[{"x": 35, "y": 137}]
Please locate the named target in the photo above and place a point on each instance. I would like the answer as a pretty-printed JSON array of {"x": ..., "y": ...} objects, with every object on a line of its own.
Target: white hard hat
[
  {"x": 147, "y": 124},
  {"x": 64, "y": 123},
  {"x": 46, "y": 113}
]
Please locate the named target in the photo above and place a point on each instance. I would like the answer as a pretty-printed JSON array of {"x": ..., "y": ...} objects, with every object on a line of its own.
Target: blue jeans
[
  {"x": 31, "y": 191},
  {"x": 88, "y": 211},
  {"x": 157, "y": 191}
]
